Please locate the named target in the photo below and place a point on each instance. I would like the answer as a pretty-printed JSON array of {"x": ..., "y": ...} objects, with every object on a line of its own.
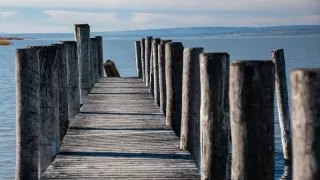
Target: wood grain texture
[
  {"x": 306, "y": 123},
  {"x": 100, "y": 55},
  {"x": 252, "y": 119},
  {"x": 120, "y": 133},
  {"x": 142, "y": 45}
]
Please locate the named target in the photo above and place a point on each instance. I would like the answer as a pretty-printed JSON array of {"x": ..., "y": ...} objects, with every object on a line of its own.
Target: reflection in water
[{"x": 287, "y": 174}]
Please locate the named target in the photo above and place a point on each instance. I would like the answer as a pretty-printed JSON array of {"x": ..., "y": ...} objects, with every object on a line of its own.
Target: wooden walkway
[{"x": 120, "y": 133}]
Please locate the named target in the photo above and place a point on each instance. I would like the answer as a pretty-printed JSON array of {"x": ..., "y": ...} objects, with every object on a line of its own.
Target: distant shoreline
[{"x": 14, "y": 38}]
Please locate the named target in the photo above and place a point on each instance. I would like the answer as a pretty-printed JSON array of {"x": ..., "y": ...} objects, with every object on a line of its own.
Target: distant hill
[
  {"x": 193, "y": 32},
  {"x": 220, "y": 31}
]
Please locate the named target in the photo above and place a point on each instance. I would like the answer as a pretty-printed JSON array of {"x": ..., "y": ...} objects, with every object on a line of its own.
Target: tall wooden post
[
  {"x": 148, "y": 41},
  {"x": 283, "y": 105},
  {"x": 100, "y": 56},
  {"x": 213, "y": 124},
  {"x": 138, "y": 58},
  {"x": 94, "y": 59},
  {"x": 63, "y": 89},
  {"x": 162, "y": 74},
  {"x": 174, "y": 58},
  {"x": 49, "y": 105},
  {"x": 156, "y": 90},
  {"x": 143, "y": 44},
  {"x": 82, "y": 36},
  {"x": 306, "y": 123},
  {"x": 70, "y": 48},
  {"x": 27, "y": 114},
  {"x": 252, "y": 119},
  {"x": 190, "y": 120}
]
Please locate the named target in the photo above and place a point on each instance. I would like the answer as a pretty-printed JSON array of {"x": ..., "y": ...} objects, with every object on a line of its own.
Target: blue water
[{"x": 300, "y": 51}]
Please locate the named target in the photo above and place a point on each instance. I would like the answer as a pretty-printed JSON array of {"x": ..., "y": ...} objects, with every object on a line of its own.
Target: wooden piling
[
  {"x": 138, "y": 58},
  {"x": 63, "y": 90},
  {"x": 91, "y": 63},
  {"x": 49, "y": 105},
  {"x": 82, "y": 36},
  {"x": 111, "y": 69},
  {"x": 99, "y": 55},
  {"x": 148, "y": 41},
  {"x": 156, "y": 90},
  {"x": 213, "y": 124},
  {"x": 174, "y": 59},
  {"x": 283, "y": 104},
  {"x": 306, "y": 123},
  {"x": 252, "y": 119},
  {"x": 27, "y": 114},
  {"x": 143, "y": 44},
  {"x": 94, "y": 59},
  {"x": 70, "y": 48},
  {"x": 162, "y": 74},
  {"x": 190, "y": 119}
]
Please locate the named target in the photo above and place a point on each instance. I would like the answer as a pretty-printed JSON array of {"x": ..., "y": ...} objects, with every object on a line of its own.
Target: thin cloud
[{"x": 7, "y": 14}]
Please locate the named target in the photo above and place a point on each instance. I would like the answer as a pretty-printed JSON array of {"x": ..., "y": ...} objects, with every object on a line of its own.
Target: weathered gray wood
[
  {"x": 283, "y": 104},
  {"x": 63, "y": 89},
  {"x": 100, "y": 55},
  {"x": 306, "y": 123},
  {"x": 151, "y": 84},
  {"x": 190, "y": 119},
  {"x": 138, "y": 58},
  {"x": 27, "y": 114},
  {"x": 111, "y": 69},
  {"x": 49, "y": 105},
  {"x": 162, "y": 74},
  {"x": 252, "y": 119},
  {"x": 174, "y": 59},
  {"x": 142, "y": 44},
  {"x": 117, "y": 143},
  {"x": 214, "y": 140},
  {"x": 156, "y": 90},
  {"x": 148, "y": 42},
  {"x": 91, "y": 63},
  {"x": 94, "y": 59},
  {"x": 70, "y": 48},
  {"x": 82, "y": 36}
]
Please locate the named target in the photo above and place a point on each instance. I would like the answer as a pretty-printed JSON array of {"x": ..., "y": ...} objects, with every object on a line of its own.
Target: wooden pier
[
  {"x": 172, "y": 121},
  {"x": 120, "y": 133}
]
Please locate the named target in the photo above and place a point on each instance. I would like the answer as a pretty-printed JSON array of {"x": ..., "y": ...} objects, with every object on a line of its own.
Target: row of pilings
[
  {"x": 207, "y": 101},
  {"x": 52, "y": 82}
]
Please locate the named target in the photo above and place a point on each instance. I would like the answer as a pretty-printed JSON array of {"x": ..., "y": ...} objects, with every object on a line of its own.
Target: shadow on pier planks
[{"x": 121, "y": 134}]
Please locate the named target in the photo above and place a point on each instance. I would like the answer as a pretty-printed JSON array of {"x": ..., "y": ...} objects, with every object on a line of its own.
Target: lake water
[{"x": 300, "y": 51}]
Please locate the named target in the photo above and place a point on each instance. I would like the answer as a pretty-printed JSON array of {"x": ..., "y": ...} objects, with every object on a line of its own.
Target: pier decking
[{"x": 120, "y": 133}]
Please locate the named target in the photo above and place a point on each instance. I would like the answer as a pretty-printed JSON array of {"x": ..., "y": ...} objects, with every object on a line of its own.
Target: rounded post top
[
  {"x": 277, "y": 51},
  {"x": 149, "y": 37},
  {"x": 306, "y": 70},
  {"x": 68, "y": 42},
  {"x": 156, "y": 39},
  {"x": 81, "y": 25},
  {"x": 252, "y": 62},
  {"x": 193, "y": 48},
  {"x": 38, "y": 47}
]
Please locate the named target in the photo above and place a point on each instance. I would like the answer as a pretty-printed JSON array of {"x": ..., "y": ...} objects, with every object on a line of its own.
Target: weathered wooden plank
[{"x": 120, "y": 133}]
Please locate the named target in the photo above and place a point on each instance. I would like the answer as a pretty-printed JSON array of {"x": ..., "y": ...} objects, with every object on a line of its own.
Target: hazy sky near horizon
[{"x": 18, "y": 16}]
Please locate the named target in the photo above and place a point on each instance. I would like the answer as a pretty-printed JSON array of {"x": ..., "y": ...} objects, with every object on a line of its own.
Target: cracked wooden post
[
  {"x": 27, "y": 114},
  {"x": 91, "y": 64},
  {"x": 49, "y": 105},
  {"x": 70, "y": 48},
  {"x": 190, "y": 120},
  {"x": 156, "y": 90},
  {"x": 63, "y": 89},
  {"x": 174, "y": 58},
  {"x": 94, "y": 59},
  {"x": 100, "y": 56},
  {"x": 283, "y": 104},
  {"x": 142, "y": 45},
  {"x": 214, "y": 140},
  {"x": 306, "y": 123},
  {"x": 148, "y": 41},
  {"x": 82, "y": 36},
  {"x": 162, "y": 74},
  {"x": 252, "y": 119},
  {"x": 138, "y": 58}
]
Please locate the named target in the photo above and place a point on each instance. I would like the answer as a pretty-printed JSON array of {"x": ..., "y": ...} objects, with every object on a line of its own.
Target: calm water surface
[{"x": 299, "y": 51}]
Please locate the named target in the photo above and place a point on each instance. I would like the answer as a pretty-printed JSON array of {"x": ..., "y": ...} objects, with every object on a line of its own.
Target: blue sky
[{"x": 18, "y": 16}]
